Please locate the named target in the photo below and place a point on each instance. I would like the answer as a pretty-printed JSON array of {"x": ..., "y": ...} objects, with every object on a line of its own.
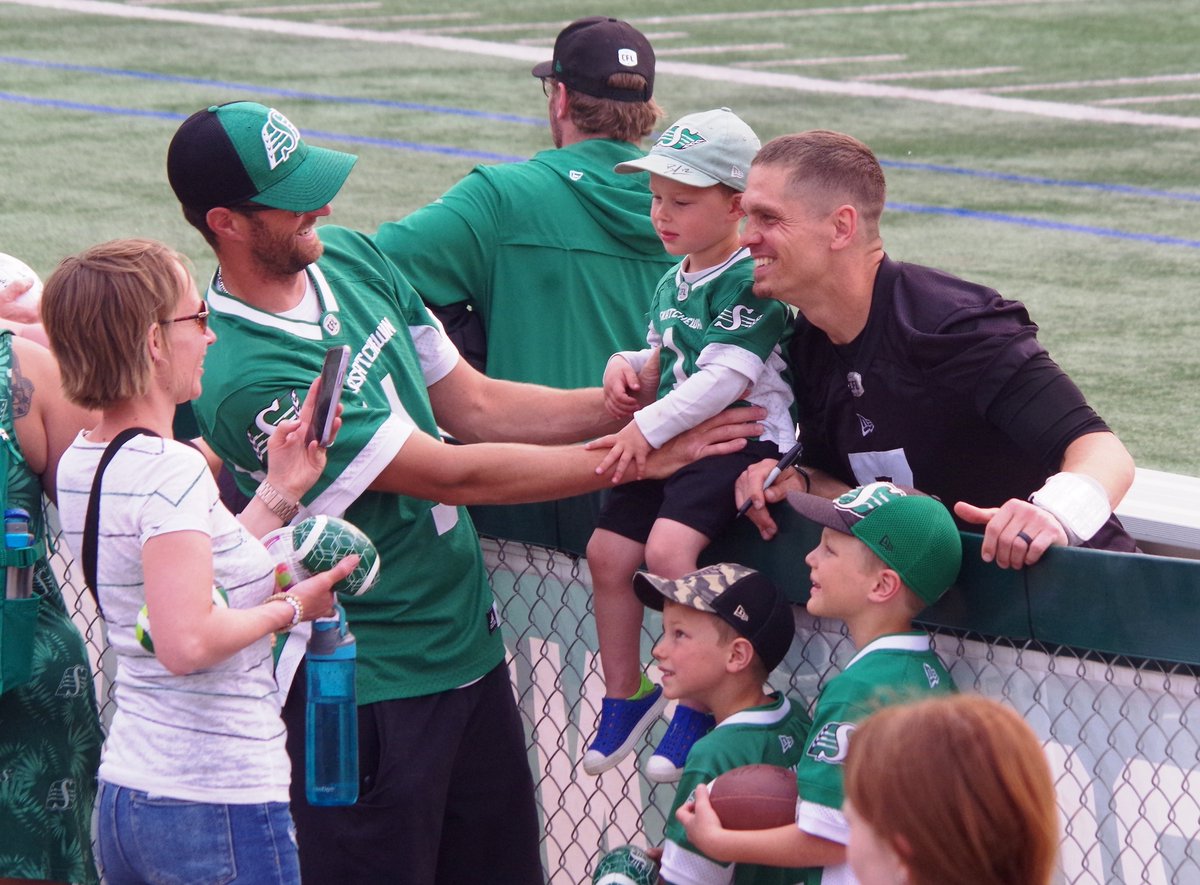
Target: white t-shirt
[{"x": 214, "y": 735}]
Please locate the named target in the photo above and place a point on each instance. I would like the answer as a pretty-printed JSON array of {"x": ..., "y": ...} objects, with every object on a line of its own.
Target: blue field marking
[
  {"x": 393, "y": 143},
  {"x": 1025, "y": 221},
  {"x": 1041, "y": 181},
  {"x": 269, "y": 90}
]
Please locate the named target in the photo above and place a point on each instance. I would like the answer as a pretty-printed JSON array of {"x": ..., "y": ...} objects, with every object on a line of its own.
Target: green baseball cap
[
  {"x": 243, "y": 151},
  {"x": 741, "y": 597},
  {"x": 911, "y": 532},
  {"x": 711, "y": 147}
]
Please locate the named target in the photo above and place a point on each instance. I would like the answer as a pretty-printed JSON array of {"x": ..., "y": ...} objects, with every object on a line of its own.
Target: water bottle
[
  {"x": 18, "y": 580},
  {"x": 331, "y": 729}
]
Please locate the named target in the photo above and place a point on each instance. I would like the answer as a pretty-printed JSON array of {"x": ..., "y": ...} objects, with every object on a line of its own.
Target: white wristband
[{"x": 1077, "y": 501}]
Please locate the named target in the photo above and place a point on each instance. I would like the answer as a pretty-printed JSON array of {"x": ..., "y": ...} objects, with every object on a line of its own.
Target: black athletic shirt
[{"x": 958, "y": 398}]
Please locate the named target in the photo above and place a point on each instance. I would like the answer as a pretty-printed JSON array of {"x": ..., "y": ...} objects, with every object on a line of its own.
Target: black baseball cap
[
  {"x": 741, "y": 597},
  {"x": 590, "y": 50},
  {"x": 244, "y": 151}
]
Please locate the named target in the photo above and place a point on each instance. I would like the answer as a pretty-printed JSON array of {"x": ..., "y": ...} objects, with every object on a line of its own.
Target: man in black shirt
[{"x": 908, "y": 374}]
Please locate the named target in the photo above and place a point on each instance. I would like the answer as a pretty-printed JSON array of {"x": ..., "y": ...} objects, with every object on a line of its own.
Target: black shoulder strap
[{"x": 91, "y": 522}]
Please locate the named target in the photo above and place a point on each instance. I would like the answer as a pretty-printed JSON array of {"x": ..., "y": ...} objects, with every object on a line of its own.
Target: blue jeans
[{"x": 146, "y": 838}]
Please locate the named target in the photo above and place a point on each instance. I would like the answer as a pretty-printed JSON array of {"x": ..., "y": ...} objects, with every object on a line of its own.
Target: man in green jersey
[
  {"x": 446, "y": 793},
  {"x": 554, "y": 255}
]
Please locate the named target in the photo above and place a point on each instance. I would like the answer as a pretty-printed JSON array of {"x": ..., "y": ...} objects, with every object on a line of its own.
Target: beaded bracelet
[{"x": 297, "y": 608}]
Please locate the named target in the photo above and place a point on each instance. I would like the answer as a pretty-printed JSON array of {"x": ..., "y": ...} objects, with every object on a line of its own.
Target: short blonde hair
[
  {"x": 98, "y": 307},
  {"x": 960, "y": 788}
]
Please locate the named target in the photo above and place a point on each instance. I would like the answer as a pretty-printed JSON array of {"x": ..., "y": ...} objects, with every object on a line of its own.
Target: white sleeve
[
  {"x": 698, "y": 398},
  {"x": 636, "y": 358},
  {"x": 682, "y": 867},
  {"x": 437, "y": 353},
  {"x": 820, "y": 820}
]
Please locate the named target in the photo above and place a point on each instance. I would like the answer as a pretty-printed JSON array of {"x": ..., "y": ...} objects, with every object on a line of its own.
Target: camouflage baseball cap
[
  {"x": 914, "y": 534},
  {"x": 741, "y": 597}
]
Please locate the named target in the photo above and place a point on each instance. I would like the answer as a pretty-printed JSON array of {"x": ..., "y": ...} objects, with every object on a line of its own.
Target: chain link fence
[{"x": 1121, "y": 735}]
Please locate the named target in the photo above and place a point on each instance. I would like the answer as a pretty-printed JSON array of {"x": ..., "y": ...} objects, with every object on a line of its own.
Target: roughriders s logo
[
  {"x": 679, "y": 138},
  {"x": 737, "y": 317},
  {"x": 265, "y": 421},
  {"x": 279, "y": 137},
  {"x": 831, "y": 743}
]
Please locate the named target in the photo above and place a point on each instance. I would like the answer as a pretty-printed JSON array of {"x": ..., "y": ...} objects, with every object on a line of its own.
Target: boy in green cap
[{"x": 885, "y": 554}]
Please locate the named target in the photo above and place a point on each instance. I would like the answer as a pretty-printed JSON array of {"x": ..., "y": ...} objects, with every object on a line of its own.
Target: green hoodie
[{"x": 557, "y": 254}]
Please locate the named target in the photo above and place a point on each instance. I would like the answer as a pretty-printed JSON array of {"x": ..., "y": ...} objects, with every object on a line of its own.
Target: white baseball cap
[{"x": 711, "y": 147}]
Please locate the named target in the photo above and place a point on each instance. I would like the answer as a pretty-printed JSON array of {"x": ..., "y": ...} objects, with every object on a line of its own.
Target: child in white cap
[{"x": 716, "y": 344}]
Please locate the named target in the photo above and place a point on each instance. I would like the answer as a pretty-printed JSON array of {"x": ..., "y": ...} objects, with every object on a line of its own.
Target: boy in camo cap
[
  {"x": 886, "y": 553},
  {"x": 725, "y": 628}
]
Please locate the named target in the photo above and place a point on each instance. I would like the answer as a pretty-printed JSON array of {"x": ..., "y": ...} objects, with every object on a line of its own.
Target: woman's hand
[{"x": 293, "y": 462}]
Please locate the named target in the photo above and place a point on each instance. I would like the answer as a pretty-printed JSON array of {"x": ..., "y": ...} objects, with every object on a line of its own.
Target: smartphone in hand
[{"x": 329, "y": 394}]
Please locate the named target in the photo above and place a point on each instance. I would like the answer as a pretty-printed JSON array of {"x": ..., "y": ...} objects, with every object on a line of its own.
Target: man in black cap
[{"x": 553, "y": 256}]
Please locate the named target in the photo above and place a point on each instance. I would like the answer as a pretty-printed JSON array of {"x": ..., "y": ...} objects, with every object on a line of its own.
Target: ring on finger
[{"x": 1024, "y": 537}]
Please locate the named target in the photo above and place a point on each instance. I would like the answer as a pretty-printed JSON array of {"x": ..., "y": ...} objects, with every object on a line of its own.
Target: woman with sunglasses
[{"x": 194, "y": 773}]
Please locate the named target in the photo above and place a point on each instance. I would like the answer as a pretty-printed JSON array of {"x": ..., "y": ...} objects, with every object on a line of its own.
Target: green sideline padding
[
  {"x": 1118, "y": 603},
  {"x": 1128, "y": 604}
]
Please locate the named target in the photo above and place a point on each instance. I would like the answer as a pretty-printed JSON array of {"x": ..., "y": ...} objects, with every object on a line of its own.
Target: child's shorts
[{"x": 699, "y": 495}]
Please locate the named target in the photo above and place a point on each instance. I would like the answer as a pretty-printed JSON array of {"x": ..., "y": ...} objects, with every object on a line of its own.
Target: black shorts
[
  {"x": 445, "y": 793},
  {"x": 699, "y": 495}
]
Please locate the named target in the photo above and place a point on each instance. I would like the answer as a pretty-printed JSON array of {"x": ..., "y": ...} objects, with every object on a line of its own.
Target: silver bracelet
[{"x": 279, "y": 505}]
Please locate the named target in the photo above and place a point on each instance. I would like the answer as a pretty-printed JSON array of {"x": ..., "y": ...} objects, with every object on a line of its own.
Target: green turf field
[{"x": 1049, "y": 149}]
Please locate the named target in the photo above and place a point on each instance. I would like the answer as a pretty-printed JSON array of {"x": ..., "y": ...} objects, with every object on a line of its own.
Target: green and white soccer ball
[
  {"x": 627, "y": 865},
  {"x": 142, "y": 628},
  {"x": 317, "y": 544}
]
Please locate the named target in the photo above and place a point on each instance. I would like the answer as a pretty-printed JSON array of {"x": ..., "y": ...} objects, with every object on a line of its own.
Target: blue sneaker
[
  {"x": 622, "y": 722},
  {"x": 687, "y": 726}
]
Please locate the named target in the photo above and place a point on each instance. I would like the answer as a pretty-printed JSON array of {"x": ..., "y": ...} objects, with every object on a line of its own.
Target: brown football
[{"x": 754, "y": 797}]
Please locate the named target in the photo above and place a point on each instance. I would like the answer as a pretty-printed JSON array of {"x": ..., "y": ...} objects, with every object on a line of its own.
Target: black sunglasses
[{"x": 201, "y": 319}]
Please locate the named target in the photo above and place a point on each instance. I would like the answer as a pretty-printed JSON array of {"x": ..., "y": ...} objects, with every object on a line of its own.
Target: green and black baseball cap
[
  {"x": 911, "y": 532},
  {"x": 748, "y": 601},
  {"x": 243, "y": 152}
]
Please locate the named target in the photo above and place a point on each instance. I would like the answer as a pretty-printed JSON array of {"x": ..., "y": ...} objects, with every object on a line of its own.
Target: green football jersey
[
  {"x": 891, "y": 670},
  {"x": 773, "y": 734},
  {"x": 711, "y": 317},
  {"x": 429, "y": 624}
]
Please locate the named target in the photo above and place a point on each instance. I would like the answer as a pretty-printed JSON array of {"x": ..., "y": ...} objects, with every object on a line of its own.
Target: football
[
  {"x": 141, "y": 629},
  {"x": 317, "y": 544},
  {"x": 754, "y": 797},
  {"x": 627, "y": 865},
  {"x": 15, "y": 269}
]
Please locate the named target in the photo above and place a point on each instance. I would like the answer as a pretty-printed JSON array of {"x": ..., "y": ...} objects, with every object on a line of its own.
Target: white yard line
[
  {"x": 713, "y": 73},
  {"x": 930, "y": 75},
  {"x": 307, "y": 7},
  {"x": 716, "y": 50},
  {"x": 1089, "y": 84},
  {"x": 817, "y": 62},
  {"x": 1149, "y": 99}
]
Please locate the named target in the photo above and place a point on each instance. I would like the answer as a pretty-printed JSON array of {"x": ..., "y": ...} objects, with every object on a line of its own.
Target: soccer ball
[
  {"x": 627, "y": 865},
  {"x": 317, "y": 544},
  {"x": 142, "y": 628}
]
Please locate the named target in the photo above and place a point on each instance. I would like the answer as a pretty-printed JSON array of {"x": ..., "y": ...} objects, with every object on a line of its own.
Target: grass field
[{"x": 1048, "y": 148}]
